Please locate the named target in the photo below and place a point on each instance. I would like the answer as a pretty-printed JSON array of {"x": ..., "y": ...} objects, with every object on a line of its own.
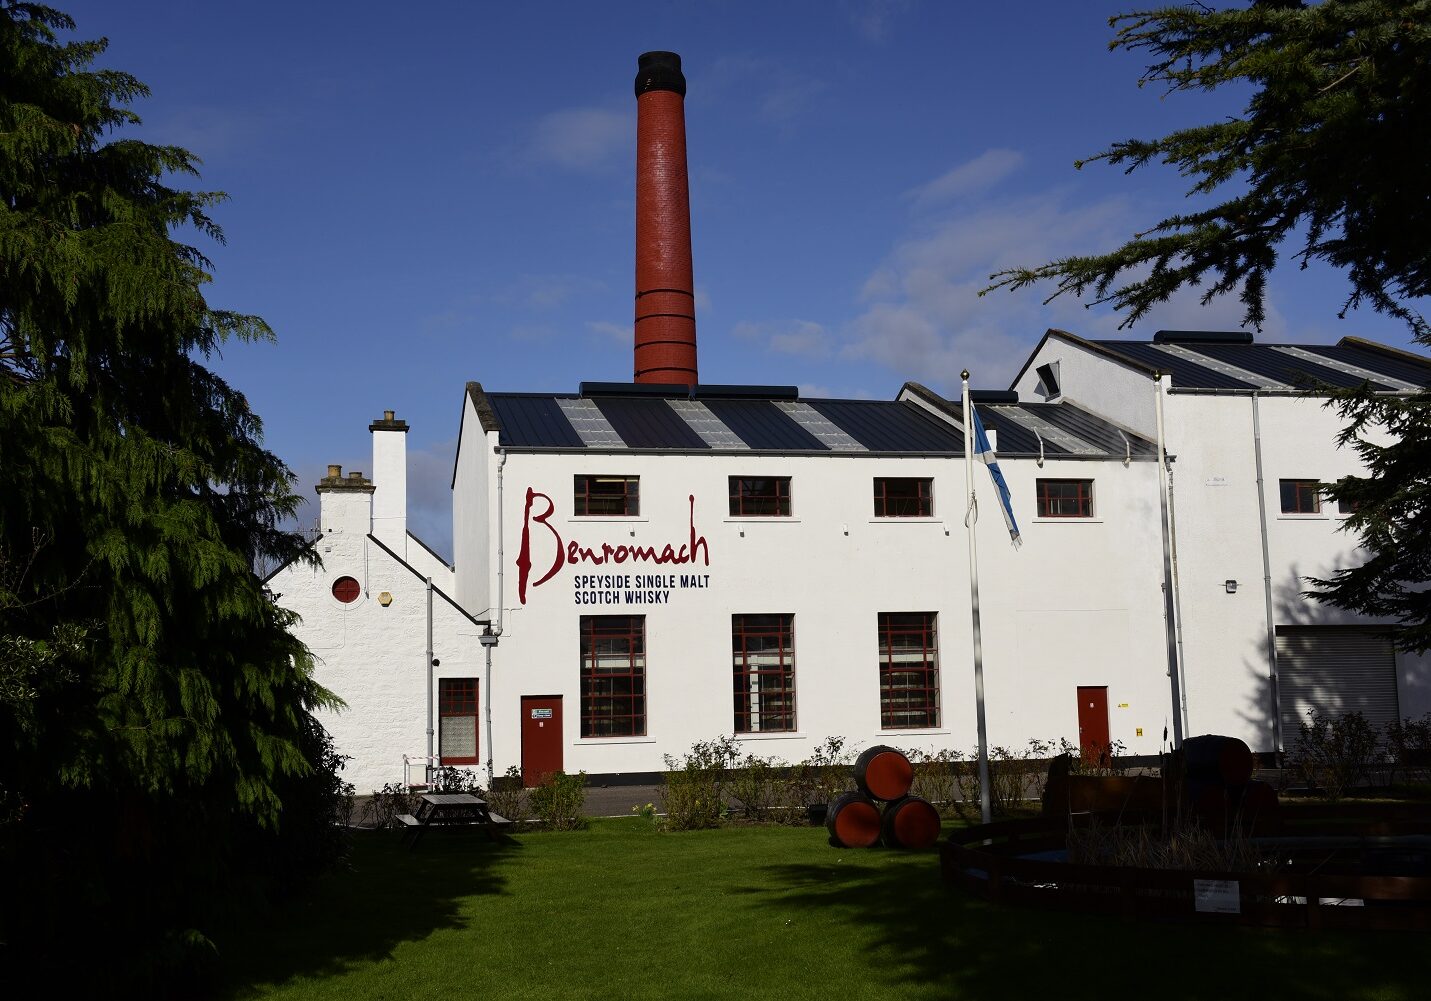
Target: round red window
[{"x": 346, "y": 589}]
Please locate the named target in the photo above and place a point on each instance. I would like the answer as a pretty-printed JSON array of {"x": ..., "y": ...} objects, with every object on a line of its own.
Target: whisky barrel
[
  {"x": 1211, "y": 757},
  {"x": 910, "y": 823},
  {"x": 853, "y": 821},
  {"x": 883, "y": 773}
]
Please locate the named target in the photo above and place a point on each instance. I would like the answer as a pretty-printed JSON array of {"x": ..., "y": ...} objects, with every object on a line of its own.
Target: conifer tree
[
  {"x": 1331, "y": 154},
  {"x": 156, "y": 724}
]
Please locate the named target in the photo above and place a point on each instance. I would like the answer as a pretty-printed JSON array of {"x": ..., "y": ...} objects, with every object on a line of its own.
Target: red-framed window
[
  {"x": 763, "y": 666},
  {"x": 607, "y": 496},
  {"x": 347, "y": 590},
  {"x": 756, "y": 496},
  {"x": 1065, "y": 498},
  {"x": 613, "y": 675},
  {"x": 457, "y": 721},
  {"x": 908, "y": 670},
  {"x": 903, "y": 497},
  {"x": 1301, "y": 496}
]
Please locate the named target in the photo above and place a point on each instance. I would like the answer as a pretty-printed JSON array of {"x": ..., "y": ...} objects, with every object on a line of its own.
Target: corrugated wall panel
[{"x": 1335, "y": 670}]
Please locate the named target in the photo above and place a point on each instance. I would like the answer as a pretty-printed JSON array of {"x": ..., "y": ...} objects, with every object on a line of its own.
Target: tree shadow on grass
[
  {"x": 939, "y": 942},
  {"x": 387, "y": 895}
]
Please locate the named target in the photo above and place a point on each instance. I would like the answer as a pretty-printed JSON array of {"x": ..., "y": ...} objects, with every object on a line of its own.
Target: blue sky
[{"x": 423, "y": 195}]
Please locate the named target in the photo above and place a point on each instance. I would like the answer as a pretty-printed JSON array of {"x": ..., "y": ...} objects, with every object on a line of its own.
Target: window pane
[
  {"x": 1300, "y": 497},
  {"x": 909, "y": 670},
  {"x": 1065, "y": 498},
  {"x": 903, "y": 497},
  {"x": 760, "y": 496},
  {"x": 763, "y": 669},
  {"x": 613, "y": 675},
  {"x": 607, "y": 496},
  {"x": 457, "y": 720}
]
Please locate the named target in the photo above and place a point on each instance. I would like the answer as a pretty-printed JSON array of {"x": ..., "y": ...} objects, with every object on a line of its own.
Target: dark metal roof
[
  {"x": 1094, "y": 430},
  {"x": 1193, "y": 363},
  {"x": 1184, "y": 373},
  {"x": 882, "y": 426},
  {"x": 533, "y": 421},
  {"x": 1291, "y": 369},
  {"x": 653, "y": 422},
  {"x": 1397, "y": 366},
  {"x": 762, "y": 425},
  {"x": 642, "y": 425}
]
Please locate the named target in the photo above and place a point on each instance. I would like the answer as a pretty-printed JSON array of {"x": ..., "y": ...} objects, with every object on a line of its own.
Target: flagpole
[{"x": 971, "y": 516}]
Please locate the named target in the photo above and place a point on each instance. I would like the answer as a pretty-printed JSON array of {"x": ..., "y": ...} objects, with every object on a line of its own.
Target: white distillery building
[
  {"x": 662, "y": 564},
  {"x": 643, "y": 565}
]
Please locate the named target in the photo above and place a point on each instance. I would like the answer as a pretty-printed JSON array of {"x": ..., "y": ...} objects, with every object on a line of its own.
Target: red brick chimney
[{"x": 665, "y": 291}]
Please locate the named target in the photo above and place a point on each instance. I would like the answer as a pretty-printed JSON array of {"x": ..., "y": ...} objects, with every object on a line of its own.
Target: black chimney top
[{"x": 659, "y": 71}]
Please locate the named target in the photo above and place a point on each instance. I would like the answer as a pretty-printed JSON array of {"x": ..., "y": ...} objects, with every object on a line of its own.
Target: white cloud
[
  {"x": 871, "y": 18},
  {"x": 923, "y": 315},
  {"x": 429, "y": 495},
  {"x": 791, "y": 337},
  {"x": 620, "y": 332},
  {"x": 978, "y": 174},
  {"x": 583, "y": 138},
  {"x": 778, "y": 94}
]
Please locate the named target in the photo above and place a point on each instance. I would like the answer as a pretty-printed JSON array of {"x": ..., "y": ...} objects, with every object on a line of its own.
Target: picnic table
[{"x": 450, "y": 809}]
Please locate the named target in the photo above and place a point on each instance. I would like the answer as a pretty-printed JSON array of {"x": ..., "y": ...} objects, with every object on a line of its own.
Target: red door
[
  {"x": 541, "y": 737},
  {"x": 1093, "y": 724}
]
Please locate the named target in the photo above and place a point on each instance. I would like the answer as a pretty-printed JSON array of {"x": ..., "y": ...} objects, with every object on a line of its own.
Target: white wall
[
  {"x": 1095, "y": 382},
  {"x": 1215, "y": 498},
  {"x": 1080, "y": 604},
  {"x": 375, "y": 657},
  {"x": 474, "y": 480}
]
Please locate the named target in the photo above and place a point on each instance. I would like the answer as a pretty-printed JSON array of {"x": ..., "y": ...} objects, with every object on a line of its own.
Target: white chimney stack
[
  {"x": 390, "y": 481},
  {"x": 345, "y": 503}
]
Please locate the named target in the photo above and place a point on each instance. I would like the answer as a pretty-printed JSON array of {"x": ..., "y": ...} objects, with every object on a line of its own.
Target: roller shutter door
[{"x": 1334, "y": 670}]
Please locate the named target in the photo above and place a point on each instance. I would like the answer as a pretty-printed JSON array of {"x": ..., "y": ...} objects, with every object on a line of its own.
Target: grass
[{"x": 623, "y": 911}]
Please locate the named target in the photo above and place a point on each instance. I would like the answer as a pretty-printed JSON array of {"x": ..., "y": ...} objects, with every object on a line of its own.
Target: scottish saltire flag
[{"x": 985, "y": 454}]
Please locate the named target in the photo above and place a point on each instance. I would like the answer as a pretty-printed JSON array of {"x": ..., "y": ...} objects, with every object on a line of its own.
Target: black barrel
[
  {"x": 853, "y": 821},
  {"x": 1211, "y": 757},
  {"x": 910, "y": 823},
  {"x": 883, "y": 773}
]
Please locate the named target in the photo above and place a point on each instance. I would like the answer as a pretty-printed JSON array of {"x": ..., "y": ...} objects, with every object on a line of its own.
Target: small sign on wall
[
  {"x": 541, "y": 714},
  {"x": 1217, "y": 896}
]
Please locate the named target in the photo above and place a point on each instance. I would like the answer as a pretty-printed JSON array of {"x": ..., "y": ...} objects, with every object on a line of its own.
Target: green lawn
[{"x": 623, "y": 911}]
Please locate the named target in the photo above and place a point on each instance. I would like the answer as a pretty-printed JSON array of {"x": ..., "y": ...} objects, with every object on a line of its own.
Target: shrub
[
  {"x": 760, "y": 785},
  {"x": 558, "y": 801},
  {"x": 942, "y": 778},
  {"x": 506, "y": 799},
  {"x": 1408, "y": 743},
  {"x": 389, "y": 802},
  {"x": 823, "y": 775},
  {"x": 693, "y": 787},
  {"x": 449, "y": 779},
  {"x": 1335, "y": 753}
]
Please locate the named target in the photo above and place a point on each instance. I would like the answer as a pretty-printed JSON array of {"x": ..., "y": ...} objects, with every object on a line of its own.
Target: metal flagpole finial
[{"x": 964, "y": 375}]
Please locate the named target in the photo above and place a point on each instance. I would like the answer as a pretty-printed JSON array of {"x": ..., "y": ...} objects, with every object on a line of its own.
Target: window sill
[
  {"x": 1068, "y": 521},
  {"x": 607, "y": 518},
  {"x": 932, "y": 731},
  {"x": 921, "y": 520},
  {"x": 1286, "y": 516},
  {"x": 587, "y": 741},
  {"x": 771, "y": 735},
  {"x": 738, "y": 519}
]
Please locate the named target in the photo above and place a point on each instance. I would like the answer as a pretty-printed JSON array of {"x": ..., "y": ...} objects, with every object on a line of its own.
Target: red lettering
[
  {"x": 573, "y": 552},
  {"x": 524, "y": 555},
  {"x": 697, "y": 543}
]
